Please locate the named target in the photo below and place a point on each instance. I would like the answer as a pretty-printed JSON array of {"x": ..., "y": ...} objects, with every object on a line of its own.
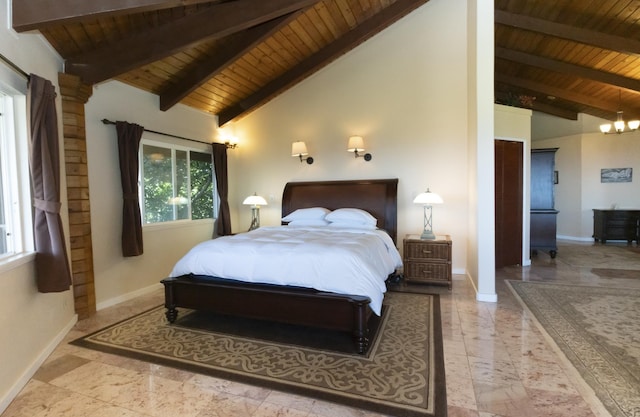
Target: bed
[{"x": 294, "y": 304}]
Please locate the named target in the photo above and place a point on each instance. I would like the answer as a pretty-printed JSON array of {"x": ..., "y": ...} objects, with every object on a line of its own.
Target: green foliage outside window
[{"x": 178, "y": 184}]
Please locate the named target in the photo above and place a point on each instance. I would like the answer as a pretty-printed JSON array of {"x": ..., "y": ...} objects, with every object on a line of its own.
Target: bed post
[
  {"x": 361, "y": 327},
  {"x": 169, "y": 302}
]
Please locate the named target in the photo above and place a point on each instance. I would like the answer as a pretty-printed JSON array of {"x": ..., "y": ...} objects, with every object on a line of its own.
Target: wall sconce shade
[
  {"x": 355, "y": 145},
  {"x": 300, "y": 149},
  {"x": 427, "y": 199},
  {"x": 255, "y": 201}
]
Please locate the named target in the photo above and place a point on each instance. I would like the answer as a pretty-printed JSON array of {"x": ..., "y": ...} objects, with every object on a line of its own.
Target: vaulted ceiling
[{"x": 228, "y": 57}]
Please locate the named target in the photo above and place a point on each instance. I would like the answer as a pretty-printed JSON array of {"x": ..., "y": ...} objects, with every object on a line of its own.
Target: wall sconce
[
  {"x": 356, "y": 144},
  {"x": 255, "y": 201},
  {"x": 300, "y": 149},
  {"x": 427, "y": 199},
  {"x": 230, "y": 145}
]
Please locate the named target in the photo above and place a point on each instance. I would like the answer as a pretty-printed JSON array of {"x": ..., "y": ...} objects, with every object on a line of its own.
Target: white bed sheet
[{"x": 345, "y": 261}]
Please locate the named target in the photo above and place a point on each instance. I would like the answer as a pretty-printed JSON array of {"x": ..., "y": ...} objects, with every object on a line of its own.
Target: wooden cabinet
[
  {"x": 616, "y": 225},
  {"x": 543, "y": 214},
  {"x": 427, "y": 261}
]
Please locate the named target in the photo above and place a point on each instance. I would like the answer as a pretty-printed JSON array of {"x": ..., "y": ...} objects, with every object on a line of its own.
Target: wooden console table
[{"x": 616, "y": 225}]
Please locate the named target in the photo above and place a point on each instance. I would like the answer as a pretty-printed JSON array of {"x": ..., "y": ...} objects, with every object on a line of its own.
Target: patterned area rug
[
  {"x": 402, "y": 374},
  {"x": 598, "y": 330}
]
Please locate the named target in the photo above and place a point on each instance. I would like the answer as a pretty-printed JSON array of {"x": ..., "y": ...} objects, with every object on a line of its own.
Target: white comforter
[{"x": 345, "y": 261}]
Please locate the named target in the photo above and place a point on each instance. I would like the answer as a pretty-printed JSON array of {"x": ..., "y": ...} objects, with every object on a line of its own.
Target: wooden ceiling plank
[
  {"x": 589, "y": 37},
  {"x": 38, "y": 14},
  {"x": 327, "y": 19},
  {"x": 140, "y": 49},
  {"x": 567, "y": 68},
  {"x": 216, "y": 63},
  {"x": 318, "y": 60}
]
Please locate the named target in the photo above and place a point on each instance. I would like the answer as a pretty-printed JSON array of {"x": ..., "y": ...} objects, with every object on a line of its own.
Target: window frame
[
  {"x": 147, "y": 139},
  {"x": 15, "y": 170}
]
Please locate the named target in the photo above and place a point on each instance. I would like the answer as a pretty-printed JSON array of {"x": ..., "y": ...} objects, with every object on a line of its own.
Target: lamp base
[{"x": 427, "y": 235}]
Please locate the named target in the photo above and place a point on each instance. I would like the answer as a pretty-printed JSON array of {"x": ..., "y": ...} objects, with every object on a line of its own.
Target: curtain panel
[
  {"x": 52, "y": 263},
  {"x": 223, "y": 222},
  {"x": 129, "y": 135}
]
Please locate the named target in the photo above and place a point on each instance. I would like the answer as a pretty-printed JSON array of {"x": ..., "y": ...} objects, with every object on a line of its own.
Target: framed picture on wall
[{"x": 616, "y": 174}]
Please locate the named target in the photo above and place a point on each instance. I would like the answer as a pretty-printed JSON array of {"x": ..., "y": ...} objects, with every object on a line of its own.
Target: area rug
[
  {"x": 598, "y": 330},
  {"x": 402, "y": 374},
  {"x": 612, "y": 256}
]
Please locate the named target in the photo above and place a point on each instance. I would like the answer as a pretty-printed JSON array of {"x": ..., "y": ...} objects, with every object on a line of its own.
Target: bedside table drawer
[
  {"x": 427, "y": 271},
  {"x": 432, "y": 251}
]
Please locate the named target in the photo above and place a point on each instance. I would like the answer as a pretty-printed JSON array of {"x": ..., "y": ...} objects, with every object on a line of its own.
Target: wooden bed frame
[{"x": 296, "y": 305}]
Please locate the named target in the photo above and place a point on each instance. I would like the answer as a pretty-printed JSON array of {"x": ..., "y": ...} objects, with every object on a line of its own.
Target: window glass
[
  {"x": 201, "y": 186},
  {"x": 177, "y": 183},
  {"x": 15, "y": 210}
]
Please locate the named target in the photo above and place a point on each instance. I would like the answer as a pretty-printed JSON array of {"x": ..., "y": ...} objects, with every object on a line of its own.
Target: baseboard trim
[
  {"x": 35, "y": 365},
  {"x": 574, "y": 238},
  {"x": 128, "y": 296}
]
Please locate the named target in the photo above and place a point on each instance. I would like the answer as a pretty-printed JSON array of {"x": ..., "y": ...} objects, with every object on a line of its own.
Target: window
[
  {"x": 15, "y": 210},
  {"x": 177, "y": 183}
]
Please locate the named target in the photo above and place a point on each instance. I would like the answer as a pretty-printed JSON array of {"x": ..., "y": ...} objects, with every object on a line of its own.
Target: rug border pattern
[{"x": 567, "y": 336}]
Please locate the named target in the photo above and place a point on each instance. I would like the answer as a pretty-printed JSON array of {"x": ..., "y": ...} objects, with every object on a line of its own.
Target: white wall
[
  {"x": 31, "y": 323},
  {"x": 118, "y": 278},
  {"x": 579, "y": 160},
  {"x": 400, "y": 91}
]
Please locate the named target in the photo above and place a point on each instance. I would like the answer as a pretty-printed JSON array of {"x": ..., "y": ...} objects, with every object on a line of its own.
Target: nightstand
[{"x": 427, "y": 261}]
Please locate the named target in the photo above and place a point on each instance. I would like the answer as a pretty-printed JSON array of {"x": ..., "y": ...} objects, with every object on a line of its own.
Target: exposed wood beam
[
  {"x": 203, "y": 71},
  {"x": 313, "y": 63},
  {"x": 143, "y": 48},
  {"x": 588, "y": 37},
  {"x": 562, "y": 93},
  {"x": 542, "y": 107},
  {"x": 555, "y": 111},
  {"x": 567, "y": 68},
  {"x": 37, "y": 14}
]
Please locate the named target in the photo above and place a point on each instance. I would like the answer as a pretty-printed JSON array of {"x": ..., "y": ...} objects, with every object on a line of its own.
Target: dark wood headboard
[{"x": 378, "y": 197}]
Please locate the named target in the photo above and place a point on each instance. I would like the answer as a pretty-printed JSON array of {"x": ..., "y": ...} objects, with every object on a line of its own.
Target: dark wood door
[{"x": 508, "y": 200}]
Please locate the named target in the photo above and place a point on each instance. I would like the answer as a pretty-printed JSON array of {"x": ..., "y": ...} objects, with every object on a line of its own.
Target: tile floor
[{"x": 497, "y": 365}]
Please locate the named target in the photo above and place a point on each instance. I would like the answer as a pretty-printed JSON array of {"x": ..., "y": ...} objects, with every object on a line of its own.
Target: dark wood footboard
[{"x": 293, "y": 305}]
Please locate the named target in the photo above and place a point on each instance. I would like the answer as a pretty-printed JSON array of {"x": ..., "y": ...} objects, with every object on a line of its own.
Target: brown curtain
[
  {"x": 223, "y": 222},
  {"x": 129, "y": 135},
  {"x": 52, "y": 264}
]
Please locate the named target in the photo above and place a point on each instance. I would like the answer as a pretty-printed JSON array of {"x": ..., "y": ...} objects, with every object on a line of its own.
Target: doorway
[{"x": 508, "y": 202}]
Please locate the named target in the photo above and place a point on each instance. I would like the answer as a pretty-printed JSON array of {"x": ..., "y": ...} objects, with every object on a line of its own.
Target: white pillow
[
  {"x": 308, "y": 222},
  {"x": 351, "y": 215},
  {"x": 313, "y": 213},
  {"x": 353, "y": 225}
]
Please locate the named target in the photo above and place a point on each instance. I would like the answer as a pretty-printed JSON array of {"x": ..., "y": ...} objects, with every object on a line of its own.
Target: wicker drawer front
[
  {"x": 427, "y": 251},
  {"x": 427, "y": 271}
]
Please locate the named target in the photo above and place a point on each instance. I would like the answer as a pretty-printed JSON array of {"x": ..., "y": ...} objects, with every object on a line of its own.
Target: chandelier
[{"x": 619, "y": 125}]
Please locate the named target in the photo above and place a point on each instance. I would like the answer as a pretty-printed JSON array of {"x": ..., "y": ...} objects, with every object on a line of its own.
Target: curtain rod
[
  {"x": 109, "y": 122},
  {"x": 14, "y": 67}
]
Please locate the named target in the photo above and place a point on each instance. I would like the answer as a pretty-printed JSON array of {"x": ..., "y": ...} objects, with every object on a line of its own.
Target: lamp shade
[
  {"x": 633, "y": 124},
  {"x": 255, "y": 200},
  {"x": 356, "y": 143},
  {"x": 428, "y": 198},
  {"x": 299, "y": 148}
]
